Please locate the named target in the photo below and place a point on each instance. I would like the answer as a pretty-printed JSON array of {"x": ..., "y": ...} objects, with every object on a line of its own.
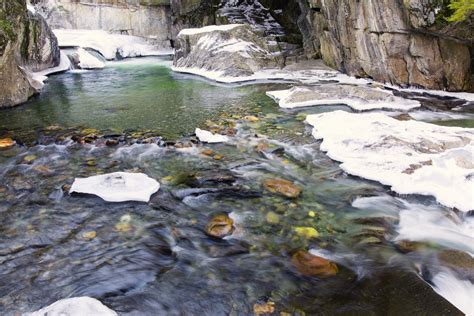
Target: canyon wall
[
  {"x": 146, "y": 18},
  {"x": 26, "y": 44},
  {"x": 394, "y": 41}
]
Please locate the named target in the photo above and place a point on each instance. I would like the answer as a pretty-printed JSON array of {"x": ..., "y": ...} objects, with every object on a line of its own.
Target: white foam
[
  {"x": 411, "y": 157},
  {"x": 458, "y": 292},
  {"x": 117, "y": 186},
  {"x": 109, "y": 45},
  {"x": 351, "y": 95},
  {"x": 425, "y": 223},
  {"x": 422, "y": 223},
  {"x": 77, "y": 306},
  {"x": 208, "y": 137},
  {"x": 210, "y": 28},
  {"x": 88, "y": 61}
]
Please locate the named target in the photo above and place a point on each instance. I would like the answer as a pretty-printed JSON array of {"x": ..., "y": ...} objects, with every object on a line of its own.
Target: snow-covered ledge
[{"x": 412, "y": 157}]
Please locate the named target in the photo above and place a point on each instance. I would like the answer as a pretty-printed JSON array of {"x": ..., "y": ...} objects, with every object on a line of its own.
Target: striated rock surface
[
  {"x": 26, "y": 45},
  {"x": 145, "y": 18},
  {"x": 226, "y": 51},
  {"x": 391, "y": 41}
]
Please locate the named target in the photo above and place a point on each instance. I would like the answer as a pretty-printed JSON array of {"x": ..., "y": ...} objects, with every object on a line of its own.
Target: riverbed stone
[
  {"x": 220, "y": 226},
  {"x": 311, "y": 265},
  {"x": 6, "y": 143},
  {"x": 282, "y": 187}
]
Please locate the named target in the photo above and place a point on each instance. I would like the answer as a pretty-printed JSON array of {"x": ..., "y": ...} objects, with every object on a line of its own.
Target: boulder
[
  {"x": 311, "y": 265},
  {"x": 220, "y": 52},
  {"x": 282, "y": 187}
]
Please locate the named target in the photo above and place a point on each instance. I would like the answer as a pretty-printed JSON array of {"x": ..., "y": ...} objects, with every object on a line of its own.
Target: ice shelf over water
[
  {"x": 208, "y": 137},
  {"x": 88, "y": 61},
  {"x": 117, "y": 186},
  {"x": 108, "y": 44},
  {"x": 76, "y": 306},
  {"x": 412, "y": 157},
  {"x": 358, "y": 97}
]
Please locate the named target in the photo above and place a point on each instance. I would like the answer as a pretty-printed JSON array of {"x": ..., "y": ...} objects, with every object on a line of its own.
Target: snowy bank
[
  {"x": 111, "y": 46},
  {"x": 360, "y": 98},
  {"x": 117, "y": 186},
  {"x": 412, "y": 157},
  {"x": 40, "y": 76},
  {"x": 88, "y": 61},
  {"x": 77, "y": 306}
]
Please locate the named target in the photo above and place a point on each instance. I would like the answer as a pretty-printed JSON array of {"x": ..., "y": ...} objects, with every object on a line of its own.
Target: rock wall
[
  {"x": 394, "y": 41},
  {"x": 146, "y": 18},
  {"x": 26, "y": 44}
]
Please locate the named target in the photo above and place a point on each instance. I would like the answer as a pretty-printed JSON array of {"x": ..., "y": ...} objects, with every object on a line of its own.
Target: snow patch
[
  {"x": 360, "y": 98},
  {"x": 117, "y": 186},
  {"x": 208, "y": 137},
  {"x": 108, "y": 44},
  {"x": 210, "y": 28},
  {"x": 412, "y": 157},
  {"x": 88, "y": 61},
  {"x": 77, "y": 306}
]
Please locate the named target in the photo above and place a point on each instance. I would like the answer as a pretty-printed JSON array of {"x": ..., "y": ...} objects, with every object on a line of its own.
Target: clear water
[{"x": 161, "y": 262}]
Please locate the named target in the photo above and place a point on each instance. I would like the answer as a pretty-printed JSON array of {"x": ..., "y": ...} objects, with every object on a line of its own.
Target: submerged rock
[
  {"x": 220, "y": 226},
  {"x": 311, "y": 265},
  {"x": 117, "y": 186},
  {"x": 6, "y": 143},
  {"x": 208, "y": 137},
  {"x": 77, "y": 306},
  {"x": 282, "y": 187}
]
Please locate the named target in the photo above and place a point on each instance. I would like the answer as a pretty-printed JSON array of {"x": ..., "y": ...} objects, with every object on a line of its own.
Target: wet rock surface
[{"x": 26, "y": 45}]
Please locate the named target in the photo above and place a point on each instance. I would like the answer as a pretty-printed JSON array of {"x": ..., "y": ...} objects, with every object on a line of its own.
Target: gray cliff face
[
  {"x": 392, "y": 41},
  {"x": 26, "y": 44}
]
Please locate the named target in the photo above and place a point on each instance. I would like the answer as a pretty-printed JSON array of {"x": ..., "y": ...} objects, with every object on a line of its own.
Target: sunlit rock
[
  {"x": 77, "y": 306},
  {"x": 208, "y": 137},
  {"x": 117, "y": 186}
]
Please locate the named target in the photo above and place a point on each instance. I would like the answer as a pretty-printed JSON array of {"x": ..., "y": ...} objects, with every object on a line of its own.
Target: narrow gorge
[{"x": 236, "y": 157}]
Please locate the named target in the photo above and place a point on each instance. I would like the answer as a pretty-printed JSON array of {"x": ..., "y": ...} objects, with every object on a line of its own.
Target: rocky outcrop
[
  {"x": 26, "y": 44},
  {"x": 398, "y": 42},
  {"x": 227, "y": 51}
]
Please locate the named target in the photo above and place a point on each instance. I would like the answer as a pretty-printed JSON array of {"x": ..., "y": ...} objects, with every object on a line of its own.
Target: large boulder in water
[{"x": 222, "y": 52}]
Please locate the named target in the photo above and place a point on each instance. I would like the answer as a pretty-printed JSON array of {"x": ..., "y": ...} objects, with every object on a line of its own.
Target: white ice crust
[
  {"x": 109, "y": 45},
  {"x": 375, "y": 98},
  {"x": 412, "y": 157},
  {"x": 210, "y": 28},
  {"x": 208, "y": 137},
  {"x": 77, "y": 306},
  {"x": 117, "y": 186},
  {"x": 88, "y": 61}
]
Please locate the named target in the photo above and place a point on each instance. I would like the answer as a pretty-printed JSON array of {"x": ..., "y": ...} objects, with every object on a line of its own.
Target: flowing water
[{"x": 155, "y": 258}]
